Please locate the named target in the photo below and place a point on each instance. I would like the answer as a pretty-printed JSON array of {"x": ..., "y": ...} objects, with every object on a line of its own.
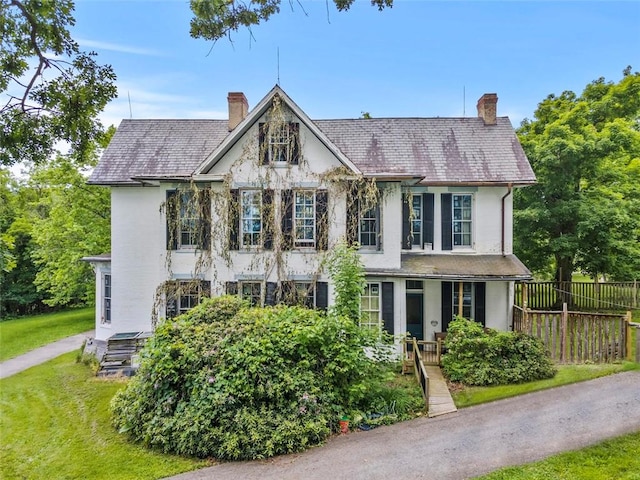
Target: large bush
[
  {"x": 233, "y": 382},
  {"x": 476, "y": 356}
]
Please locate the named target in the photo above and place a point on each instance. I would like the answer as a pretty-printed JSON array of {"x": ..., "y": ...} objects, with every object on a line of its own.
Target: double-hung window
[
  {"x": 304, "y": 218},
  {"x": 463, "y": 291},
  {"x": 369, "y": 227},
  {"x": 279, "y": 143},
  {"x": 189, "y": 294},
  {"x": 106, "y": 299},
  {"x": 183, "y": 295},
  {"x": 305, "y": 294},
  {"x": 370, "y": 306},
  {"x": 188, "y": 221},
  {"x": 251, "y": 291},
  {"x": 461, "y": 223},
  {"x": 251, "y": 218}
]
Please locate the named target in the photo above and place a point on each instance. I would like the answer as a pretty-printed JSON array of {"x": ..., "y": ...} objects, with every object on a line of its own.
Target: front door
[{"x": 415, "y": 309}]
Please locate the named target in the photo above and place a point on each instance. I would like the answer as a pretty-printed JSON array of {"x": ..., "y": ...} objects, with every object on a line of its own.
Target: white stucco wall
[
  {"x": 486, "y": 220},
  {"x": 138, "y": 248}
]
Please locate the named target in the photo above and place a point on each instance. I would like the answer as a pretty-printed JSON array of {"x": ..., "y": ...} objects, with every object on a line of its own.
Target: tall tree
[
  {"x": 70, "y": 220},
  {"x": 584, "y": 213},
  {"x": 18, "y": 292},
  {"x": 52, "y": 91},
  {"x": 215, "y": 19}
]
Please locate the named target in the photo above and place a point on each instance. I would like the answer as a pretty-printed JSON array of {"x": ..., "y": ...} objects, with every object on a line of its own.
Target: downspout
[{"x": 509, "y": 190}]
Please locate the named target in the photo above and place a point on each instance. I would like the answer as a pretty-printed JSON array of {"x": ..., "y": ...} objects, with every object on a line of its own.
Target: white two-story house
[{"x": 252, "y": 206}]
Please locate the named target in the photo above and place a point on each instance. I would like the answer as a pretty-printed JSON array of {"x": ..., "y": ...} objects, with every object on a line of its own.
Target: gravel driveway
[{"x": 472, "y": 442}]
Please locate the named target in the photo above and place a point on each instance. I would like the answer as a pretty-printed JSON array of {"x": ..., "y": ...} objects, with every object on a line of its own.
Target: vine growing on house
[{"x": 210, "y": 215}]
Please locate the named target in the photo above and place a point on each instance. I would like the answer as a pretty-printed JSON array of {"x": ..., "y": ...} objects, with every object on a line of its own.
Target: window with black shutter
[
  {"x": 465, "y": 299},
  {"x": 188, "y": 214},
  {"x": 279, "y": 142},
  {"x": 183, "y": 295}
]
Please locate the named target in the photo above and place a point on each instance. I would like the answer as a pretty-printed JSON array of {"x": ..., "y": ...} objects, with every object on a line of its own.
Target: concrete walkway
[
  {"x": 43, "y": 354},
  {"x": 440, "y": 401},
  {"x": 471, "y": 442}
]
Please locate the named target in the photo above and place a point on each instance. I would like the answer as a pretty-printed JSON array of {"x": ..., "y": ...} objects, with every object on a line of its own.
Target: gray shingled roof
[
  {"x": 458, "y": 267},
  {"x": 440, "y": 150},
  {"x": 158, "y": 148}
]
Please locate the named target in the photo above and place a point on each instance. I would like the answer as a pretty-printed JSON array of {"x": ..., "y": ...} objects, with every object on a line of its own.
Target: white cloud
[{"x": 114, "y": 47}]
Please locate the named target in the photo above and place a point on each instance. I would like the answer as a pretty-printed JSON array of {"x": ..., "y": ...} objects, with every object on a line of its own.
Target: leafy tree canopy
[
  {"x": 215, "y": 19},
  {"x": 584, "y": 213},
  {"x": 51, "y": 91}
]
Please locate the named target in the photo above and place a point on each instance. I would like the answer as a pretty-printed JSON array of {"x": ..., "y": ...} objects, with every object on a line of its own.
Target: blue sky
[{"x": 418, "y": 59}]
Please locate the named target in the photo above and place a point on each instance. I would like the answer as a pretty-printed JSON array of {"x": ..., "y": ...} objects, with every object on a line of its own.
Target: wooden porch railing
[
  {"x": 577, "y": 337},
  {"x": 418, "y": 366}
]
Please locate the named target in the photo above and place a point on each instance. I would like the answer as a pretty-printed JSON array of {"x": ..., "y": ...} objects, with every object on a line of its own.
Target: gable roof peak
[{"x": 260, "y": 109}]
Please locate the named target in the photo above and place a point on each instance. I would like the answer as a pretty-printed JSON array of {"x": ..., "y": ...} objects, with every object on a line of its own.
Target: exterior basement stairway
[{"x": 121, "y": 350}]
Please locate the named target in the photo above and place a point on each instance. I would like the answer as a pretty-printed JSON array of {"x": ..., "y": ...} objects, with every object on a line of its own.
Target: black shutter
[
  {"x": 447, "y": 235},
  {"x": 204, "y": 219},
  {"x": 322, "y": 222},
  {"x": 231, "y": 288},
  {"x": 205, "y": 288},
  {"x": 172, "y": 300},
  {"x": 322, "y": 295},
  {"x": 379, "y": 225},
  {"x": 387, "y": 306},
  {"x": 294, "y": 132},
  {"x": 353, "y": 213},
  {"x": 286, "y": 293},
  {"x": 407, "y": 241},
  {"x": 270, "y": 293},
  {"x": 267, "y": 219},
  {"x": 171, "y": 213},
  {"x": 287, "y": 219},
  {"x": 480, "y": 289},
  {"x": 447, "y": 304},
  {"x": 263, "y": 144},
  {"x": 234, "y": 219},
  {"x": 427, "y": 222}
]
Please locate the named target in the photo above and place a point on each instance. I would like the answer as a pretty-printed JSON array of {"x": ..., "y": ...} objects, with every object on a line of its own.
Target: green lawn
[
  {"x": 55, "y": 424},
  {"x": 20, "y": 335},
  {"x": 566, "y": 374},
  {"x": 616, "y": 459}
]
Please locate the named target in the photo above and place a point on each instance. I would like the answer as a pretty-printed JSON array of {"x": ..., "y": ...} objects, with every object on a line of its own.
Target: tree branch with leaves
[{"x": 52, "y": 92}]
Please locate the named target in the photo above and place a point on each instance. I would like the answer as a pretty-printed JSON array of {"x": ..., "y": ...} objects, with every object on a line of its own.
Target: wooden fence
[
  {"x": 609, "y": 296},
  {"x": 577, "y": 337}
]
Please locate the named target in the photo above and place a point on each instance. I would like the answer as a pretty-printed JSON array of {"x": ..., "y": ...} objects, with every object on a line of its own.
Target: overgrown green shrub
[
  {"x": 233, "y": 382},
  {"x": 476, "y": 356}
]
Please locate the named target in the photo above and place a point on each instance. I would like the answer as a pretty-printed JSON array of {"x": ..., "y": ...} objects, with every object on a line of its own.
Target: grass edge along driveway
[{"x": 20, "y": 335}]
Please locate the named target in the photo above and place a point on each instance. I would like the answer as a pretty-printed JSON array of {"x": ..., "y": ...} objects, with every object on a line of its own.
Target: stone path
[{"x": 43, "y": 354}]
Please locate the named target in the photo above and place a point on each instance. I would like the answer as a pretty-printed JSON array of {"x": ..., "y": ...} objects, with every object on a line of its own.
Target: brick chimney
[
  {"x": 487, "y": 108},
  {"x": 238, "y": 108}
]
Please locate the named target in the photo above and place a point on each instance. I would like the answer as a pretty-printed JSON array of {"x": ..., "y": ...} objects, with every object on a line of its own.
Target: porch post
[{"x": 460, "y": 297}]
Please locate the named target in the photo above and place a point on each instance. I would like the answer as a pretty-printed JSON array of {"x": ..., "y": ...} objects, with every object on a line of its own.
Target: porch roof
[{"x": 458, "y": 267}]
